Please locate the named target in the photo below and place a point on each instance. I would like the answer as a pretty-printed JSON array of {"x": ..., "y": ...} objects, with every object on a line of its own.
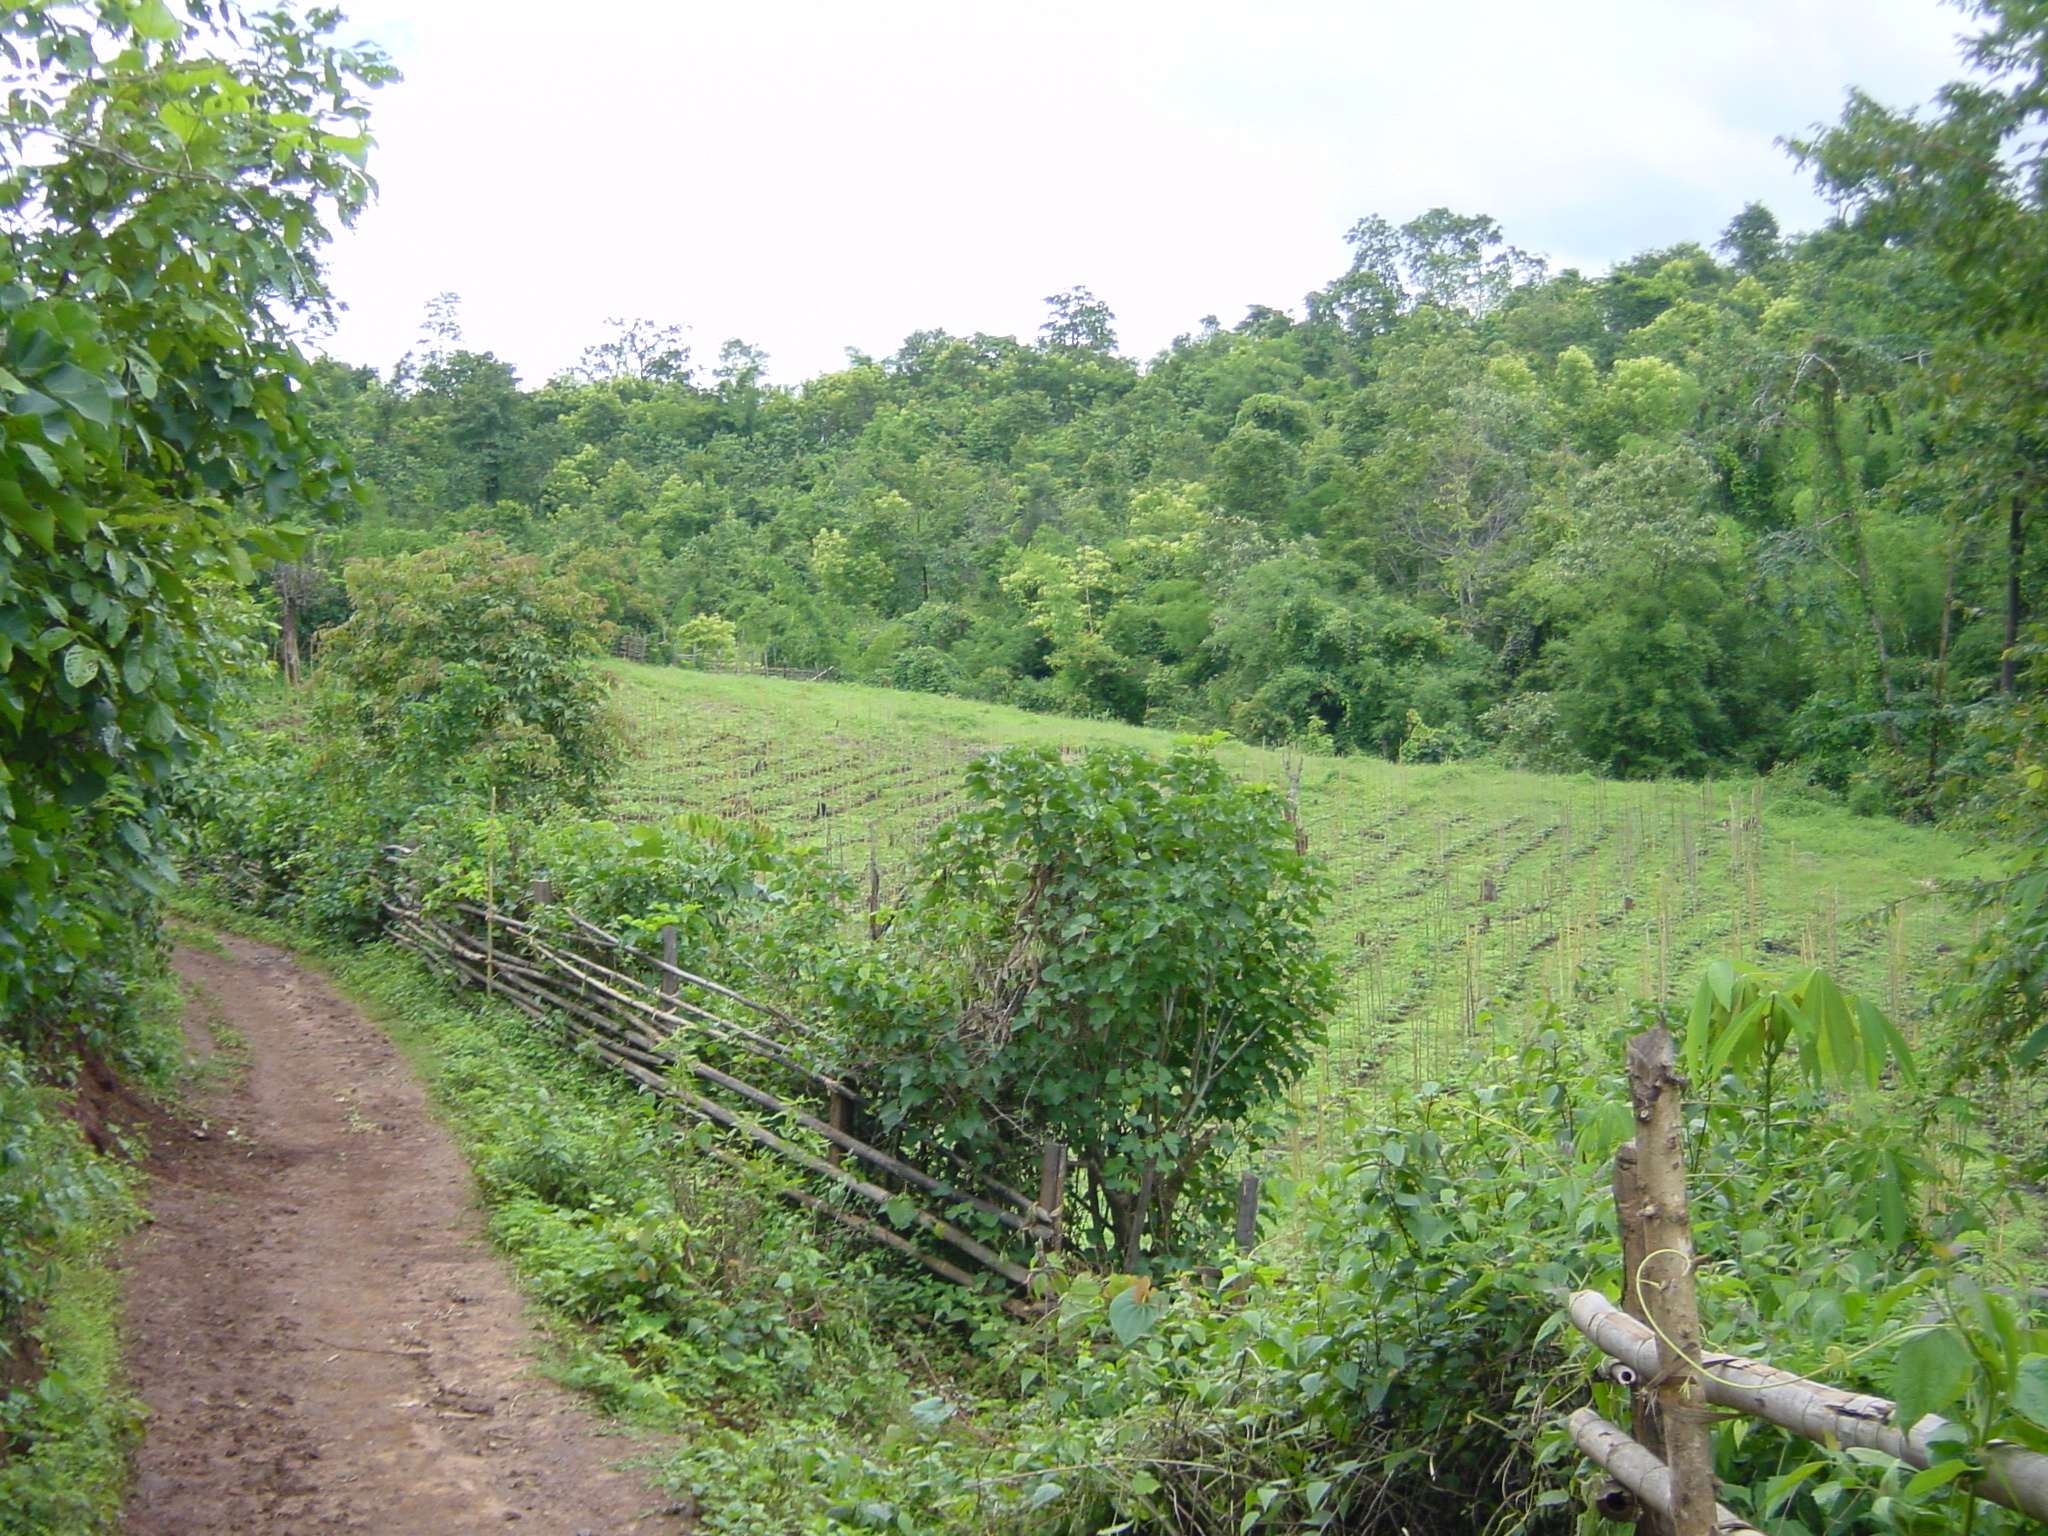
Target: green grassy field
[{"x": 1464, "y": 895}]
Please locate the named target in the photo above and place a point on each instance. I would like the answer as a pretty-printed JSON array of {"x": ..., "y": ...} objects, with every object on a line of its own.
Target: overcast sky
[{"x": 813, "y": 175}]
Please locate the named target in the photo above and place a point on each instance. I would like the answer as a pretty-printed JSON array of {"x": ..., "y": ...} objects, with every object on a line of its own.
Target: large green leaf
[
  {"x": 81, "y": 391},
  {"x": 1930, "y": 1372}
]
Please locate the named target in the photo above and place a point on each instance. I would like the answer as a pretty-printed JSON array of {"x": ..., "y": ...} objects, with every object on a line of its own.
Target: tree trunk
[
  {"x": 2015, "y": 553},
  {"x": 1866, "y": 585},
  {"x": 288, "y": 626},
  {"x": 1948, "y": 625},
  {"x": 1628, "y": 1210}
]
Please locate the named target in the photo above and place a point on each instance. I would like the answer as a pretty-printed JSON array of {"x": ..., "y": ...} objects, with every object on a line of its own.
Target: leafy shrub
[
  {"x": 923, "y": 669},
  {"x": 1115, "y": 952},
  {"x": 746, "y": 905},
  {"x": 466, "y": 669}
]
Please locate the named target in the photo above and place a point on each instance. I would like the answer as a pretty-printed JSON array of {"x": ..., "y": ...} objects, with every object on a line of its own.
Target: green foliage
[
  {"x": 71, "y": 1435},
  {"x": 707, "y": 635},
  {"x": 67, "y": 1424},
  {"x": 1997, "y": 1001},
  {"x": 466, "y": 669},
  {"x": 1399, "y": 1360},
  {"x": 1116, "y": 953},
  {"x": 1744, "y": 1017},
  {"x": 747, "y": 906},
  {"x": 169, "y": 176},
  {"x": 1668, "y": 506}
]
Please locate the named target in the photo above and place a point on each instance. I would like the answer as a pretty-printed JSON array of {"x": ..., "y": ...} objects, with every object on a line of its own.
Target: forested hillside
[{"x": 1721, "y": 507}]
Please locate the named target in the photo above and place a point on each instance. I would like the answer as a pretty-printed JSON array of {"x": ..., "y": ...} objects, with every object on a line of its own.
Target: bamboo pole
[
  {"x": 592, "y": 1023},
  {"x": 536, "y": 1000},
  {"x": 860, "y": 1149},
  {"x": 1628, "y": 1211},
  {"x": 2014, "y": 1477},
  {"x": 526, "y": 987},
  {"x": 1016, "y": 1274},
  {"x": 994, "y": 1186},
  {"x": 1247, "y": 1233},
  {"x": 1664, "y": 1279},
  {"x": 592, "y": 974},
  {"x": 1638, "y": 1470}
]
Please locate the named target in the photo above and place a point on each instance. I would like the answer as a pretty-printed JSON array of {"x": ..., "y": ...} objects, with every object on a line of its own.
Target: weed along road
[{"x": 321, "y": 1338}]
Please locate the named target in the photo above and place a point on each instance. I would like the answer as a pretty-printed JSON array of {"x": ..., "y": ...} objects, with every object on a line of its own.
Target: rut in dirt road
[{"x": 322, "y": 1340}]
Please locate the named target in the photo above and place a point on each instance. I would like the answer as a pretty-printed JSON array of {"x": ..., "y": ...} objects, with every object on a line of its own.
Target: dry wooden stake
[
  {"x": 1664, "y": 1280},
  {"x": 1248, "y": 1212}
]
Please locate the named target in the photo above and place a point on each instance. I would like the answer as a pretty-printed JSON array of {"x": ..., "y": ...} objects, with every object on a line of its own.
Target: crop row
[{"x": 1456, "y": 904}]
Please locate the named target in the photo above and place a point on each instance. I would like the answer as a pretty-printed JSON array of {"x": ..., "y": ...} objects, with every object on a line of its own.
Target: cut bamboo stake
[
  {"x": 1664, "y": 1279},
  {"x": 1052, "y": 1190},
  {"x": 1628, "y": 1210},
  {"x": 1247, "y": 1233},
  {"x": 2014, "y": 1477},
  {"x": 1642, "y": 1474}
]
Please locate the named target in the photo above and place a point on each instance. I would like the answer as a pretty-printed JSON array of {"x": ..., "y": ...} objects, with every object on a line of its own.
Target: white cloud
[{"x": 813, "y": 176}]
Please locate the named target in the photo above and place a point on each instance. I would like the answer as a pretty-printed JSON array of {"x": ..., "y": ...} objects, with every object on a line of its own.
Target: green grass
[
  {"x": 1465, "y": 895},
  {"x": 72, "y": 1432}
]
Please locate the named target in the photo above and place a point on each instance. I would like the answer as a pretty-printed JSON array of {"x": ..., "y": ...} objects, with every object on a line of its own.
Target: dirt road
[{"x": 322, "y": 1339}]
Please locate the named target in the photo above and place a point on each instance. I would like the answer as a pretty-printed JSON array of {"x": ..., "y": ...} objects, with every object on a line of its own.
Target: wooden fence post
[
  {"x": 541, "y": 892},
  {"x": 670, "y": 951},
  {"x": 1628, "y": 1212},
  {"x": 1663, "y": 1280},
  {"x": 840, "y": 1115},
  {"x": 1248, "y": 1212},
  {"x": 1052, "y": 1190}
]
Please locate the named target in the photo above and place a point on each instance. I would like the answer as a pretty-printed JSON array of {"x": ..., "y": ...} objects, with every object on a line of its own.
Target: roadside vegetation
[
  {"x": 1388, "y": 1355},
  {"x": 1472, "y": 546}
]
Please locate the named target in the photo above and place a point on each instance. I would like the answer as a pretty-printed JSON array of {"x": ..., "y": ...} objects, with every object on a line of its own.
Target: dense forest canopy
[{"x": 1719, "y": 508}]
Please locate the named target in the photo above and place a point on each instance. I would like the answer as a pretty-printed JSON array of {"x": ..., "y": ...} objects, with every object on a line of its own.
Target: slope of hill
[{"x": 1465, "y": 896}]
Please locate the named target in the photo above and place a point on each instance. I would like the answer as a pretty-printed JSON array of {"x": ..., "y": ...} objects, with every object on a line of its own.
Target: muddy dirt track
[{"x": 322, "y": 1339}]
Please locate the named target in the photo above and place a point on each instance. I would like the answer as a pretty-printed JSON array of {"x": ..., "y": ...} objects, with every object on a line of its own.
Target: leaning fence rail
[
  {"x": 644, "y": 1028},
  {"x": 1662, "y": 1469}
]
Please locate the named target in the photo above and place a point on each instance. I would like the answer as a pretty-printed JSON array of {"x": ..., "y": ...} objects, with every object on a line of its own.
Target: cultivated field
[{"x": 1466, "y": 897}]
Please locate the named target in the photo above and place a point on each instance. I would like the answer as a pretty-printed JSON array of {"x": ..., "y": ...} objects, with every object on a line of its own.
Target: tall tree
[
  {"x": 1968, "y": 181},
  {"x": 171, "y": 170}
]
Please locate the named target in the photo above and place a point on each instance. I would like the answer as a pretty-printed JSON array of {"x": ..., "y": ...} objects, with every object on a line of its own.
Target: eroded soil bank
[{"x": 322, "y": 1339}]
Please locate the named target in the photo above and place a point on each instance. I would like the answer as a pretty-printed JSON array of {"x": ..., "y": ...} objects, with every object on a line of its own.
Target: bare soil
[{"x": 321, "y": 1337}]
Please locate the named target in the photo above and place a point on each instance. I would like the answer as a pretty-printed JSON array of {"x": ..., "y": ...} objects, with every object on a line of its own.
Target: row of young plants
[{"x": 1391, "y": 1357}]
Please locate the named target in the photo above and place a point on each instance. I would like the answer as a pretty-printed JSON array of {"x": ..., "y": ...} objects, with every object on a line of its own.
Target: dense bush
[
  {"x": 1116, "y": 953},
  {"x": 468, "y": 670}
]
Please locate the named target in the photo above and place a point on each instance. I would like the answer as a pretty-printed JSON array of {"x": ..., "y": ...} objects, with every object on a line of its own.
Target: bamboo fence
[
  {"x": 1662, "y": 1469},
  {"x": 571, "y": 974}
]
